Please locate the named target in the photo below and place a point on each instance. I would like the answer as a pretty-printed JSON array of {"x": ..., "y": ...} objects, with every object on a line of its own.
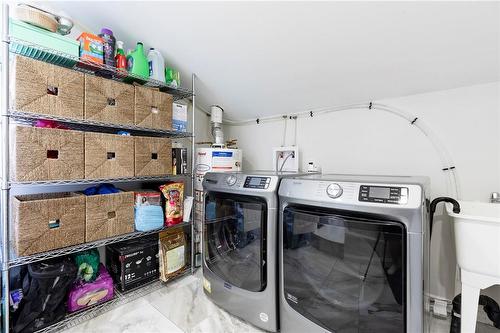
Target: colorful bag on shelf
[
  {"x": 87, "y": 263},
  {"x": 174, "y": 202},
  {"x": 84, "y": 294},
  {"x": 45, "y": 286},
  {"x": 172, "y": 248}
]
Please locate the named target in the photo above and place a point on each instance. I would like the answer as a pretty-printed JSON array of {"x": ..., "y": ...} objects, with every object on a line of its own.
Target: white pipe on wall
[{"x": 446, "y": 161}]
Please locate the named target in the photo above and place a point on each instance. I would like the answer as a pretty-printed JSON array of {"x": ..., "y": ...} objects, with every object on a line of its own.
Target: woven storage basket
[
  {"x": 109, "y": 215},
  {"x": 46, "y": 154},
  {"x": 44, "y": 222},
  {"x": 108, "y": 101},
  {"x": 43, "y": 88},
  {"x": 153, "y": 109},
  {"x": 108, "y": 155},
  {"x": 153, "y": 156}
]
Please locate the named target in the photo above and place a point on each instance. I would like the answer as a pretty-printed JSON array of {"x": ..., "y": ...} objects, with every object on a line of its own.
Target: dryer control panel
[
  {"x": 383, "y": 194},
  {"x": 257, "y": 182}
]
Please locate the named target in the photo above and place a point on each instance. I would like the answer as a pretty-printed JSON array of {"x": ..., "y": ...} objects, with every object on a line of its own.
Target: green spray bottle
[{"x": 137, "y": 63}]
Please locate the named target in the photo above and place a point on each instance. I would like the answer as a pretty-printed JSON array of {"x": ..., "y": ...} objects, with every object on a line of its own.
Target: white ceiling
[{"x": 266, "y": 58}]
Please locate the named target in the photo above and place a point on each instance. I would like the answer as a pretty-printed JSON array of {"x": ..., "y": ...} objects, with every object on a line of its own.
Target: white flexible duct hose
[{"x": 446, "y": 161}]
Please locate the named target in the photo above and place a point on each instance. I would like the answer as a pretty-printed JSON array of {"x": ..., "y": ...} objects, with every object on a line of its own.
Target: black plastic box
[{"x": 134, "y": 262}]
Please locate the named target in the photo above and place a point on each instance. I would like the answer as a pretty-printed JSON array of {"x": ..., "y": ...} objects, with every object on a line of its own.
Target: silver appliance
[
  {"x": 240, "y": 235},
  {"x": 353, "y": 254}
]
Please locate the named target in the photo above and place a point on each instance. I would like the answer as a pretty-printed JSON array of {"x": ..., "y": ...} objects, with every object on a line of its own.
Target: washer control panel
[
  {"x": 383, "y": 194},
  {"x": 257, "y": 182}
]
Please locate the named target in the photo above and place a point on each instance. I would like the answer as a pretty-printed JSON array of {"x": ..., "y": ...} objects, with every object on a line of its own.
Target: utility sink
[{"x": 477, "y": 242}]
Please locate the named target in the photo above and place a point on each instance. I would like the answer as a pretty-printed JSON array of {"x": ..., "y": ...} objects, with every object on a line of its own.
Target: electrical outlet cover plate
[{"x": 280, "y": 155}]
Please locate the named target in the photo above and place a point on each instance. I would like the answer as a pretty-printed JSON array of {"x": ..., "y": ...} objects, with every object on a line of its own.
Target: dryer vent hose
[
  {"x": 489, "y": 306},
  {"x": 432, "y": 209}
]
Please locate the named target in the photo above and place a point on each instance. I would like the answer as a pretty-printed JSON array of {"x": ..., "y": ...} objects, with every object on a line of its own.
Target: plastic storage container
[{"x": 40, "y": 44}]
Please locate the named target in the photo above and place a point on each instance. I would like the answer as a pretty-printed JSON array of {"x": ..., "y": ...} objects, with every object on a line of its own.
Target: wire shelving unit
[{"x": 8, "y": 115}]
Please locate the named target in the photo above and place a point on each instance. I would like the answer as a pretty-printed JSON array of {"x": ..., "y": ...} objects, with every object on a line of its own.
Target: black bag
[{"x": 45, "y": 286}]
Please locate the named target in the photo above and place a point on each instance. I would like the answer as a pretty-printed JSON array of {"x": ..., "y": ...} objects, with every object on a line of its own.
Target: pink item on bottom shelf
[{"x": 84, "y": 294}]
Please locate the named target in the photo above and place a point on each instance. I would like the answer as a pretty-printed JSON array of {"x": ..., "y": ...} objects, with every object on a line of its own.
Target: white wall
[{"x": 373, "y": 142}]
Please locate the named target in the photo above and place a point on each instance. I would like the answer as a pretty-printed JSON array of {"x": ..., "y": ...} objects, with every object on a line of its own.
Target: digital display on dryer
[
  {"x": 257, "y": 182},
  {"x": 380, "y": 192},
  {"x": 254, "y": 181}
]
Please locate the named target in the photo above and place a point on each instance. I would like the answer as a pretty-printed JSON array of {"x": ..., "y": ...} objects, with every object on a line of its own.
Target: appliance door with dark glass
[
  {"x": 343, "y": 270},
  {"x": 235, "y": 239}
]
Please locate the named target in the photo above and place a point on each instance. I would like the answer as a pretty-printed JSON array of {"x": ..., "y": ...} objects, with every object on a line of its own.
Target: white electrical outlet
[{"x": 286, "y": 158}]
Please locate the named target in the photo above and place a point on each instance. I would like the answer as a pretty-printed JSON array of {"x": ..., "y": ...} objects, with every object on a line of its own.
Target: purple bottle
[{"x": 109, "y": 46}]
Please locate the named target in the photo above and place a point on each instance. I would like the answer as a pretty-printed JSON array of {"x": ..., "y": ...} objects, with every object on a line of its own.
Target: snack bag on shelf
[
  {"x": 174, "y": 202},
  {"x": 172, "y": 247}
]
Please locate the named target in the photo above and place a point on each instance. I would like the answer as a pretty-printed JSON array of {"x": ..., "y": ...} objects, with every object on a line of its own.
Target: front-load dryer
[
  {"x": 353, "y": 254},
  {"x": 240, "y": 235}
]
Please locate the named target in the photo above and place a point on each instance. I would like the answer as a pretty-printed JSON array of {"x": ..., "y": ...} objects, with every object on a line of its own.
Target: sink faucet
[{"x": 495, "y": 197}]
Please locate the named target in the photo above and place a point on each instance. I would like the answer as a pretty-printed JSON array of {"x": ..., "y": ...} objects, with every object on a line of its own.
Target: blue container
[{"x": 148, "y": 218}]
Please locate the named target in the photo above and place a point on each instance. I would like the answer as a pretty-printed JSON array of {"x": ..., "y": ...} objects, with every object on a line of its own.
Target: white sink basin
[
  {"x": 477, "y": 242},
  {"x": 477, "y": 237}
]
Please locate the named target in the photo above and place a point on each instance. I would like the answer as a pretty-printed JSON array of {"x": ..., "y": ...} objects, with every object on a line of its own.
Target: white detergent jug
[{"x": 156, "y": 65}]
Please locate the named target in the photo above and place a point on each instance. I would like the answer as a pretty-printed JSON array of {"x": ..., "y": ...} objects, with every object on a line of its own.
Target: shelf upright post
[
  {"x": 193, "y": 170},
  {"x": 4, "y": 196}
]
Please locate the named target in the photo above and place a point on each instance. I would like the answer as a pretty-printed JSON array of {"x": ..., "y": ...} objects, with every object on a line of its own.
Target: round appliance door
[
  {"x": 343, "y": 270},
  {"x": 235, "y": 239}
]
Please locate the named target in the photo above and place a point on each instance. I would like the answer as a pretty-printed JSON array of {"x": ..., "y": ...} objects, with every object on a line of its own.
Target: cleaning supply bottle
[
  {"x": 120, "y": 59},
  {"x": 156, "y": 65},
  {"x": 108, "y": 46},
  {"x": 137, "y": 63}
]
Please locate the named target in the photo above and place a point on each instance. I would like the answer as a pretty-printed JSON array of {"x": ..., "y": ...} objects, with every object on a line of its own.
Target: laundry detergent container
[
  {"x": 153, "y": 108},
  {"x": 108, "y": 101},
  {"x": 109, "y": 215},
  {"x": 40, "y": 154},
  {"x": 108, "y": 156},
  {"x": 153, "y": 156},
  {"x": 44, "y": 222},
  {"x": 42, "y": 88}
]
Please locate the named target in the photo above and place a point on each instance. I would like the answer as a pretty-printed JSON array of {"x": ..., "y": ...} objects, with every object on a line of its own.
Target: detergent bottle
[
  {"x": 137, "y": 63},
  {"x": 156, "y": 65},
  {"x": 120, "y": 59}
]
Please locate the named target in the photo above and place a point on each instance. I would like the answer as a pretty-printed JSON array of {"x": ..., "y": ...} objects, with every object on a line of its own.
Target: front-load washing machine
[
  {"x": 240, "y": 239},
  {"x": 353, "y": 254}
]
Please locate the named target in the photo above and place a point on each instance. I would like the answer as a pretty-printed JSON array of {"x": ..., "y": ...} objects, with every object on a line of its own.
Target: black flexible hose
[
  {"x": 489, "y": 306},
  {"x": 432, "y": 209}
]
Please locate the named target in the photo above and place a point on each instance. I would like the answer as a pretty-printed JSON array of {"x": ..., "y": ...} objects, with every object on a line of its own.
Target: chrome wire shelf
[
  {"x": 30, "y": 118},
  {"x": 98, "y": 180},
  {"x": 121, "y": 298},
  {"x": 13, "y": 262},
  {"x": 38, "y": 52}
]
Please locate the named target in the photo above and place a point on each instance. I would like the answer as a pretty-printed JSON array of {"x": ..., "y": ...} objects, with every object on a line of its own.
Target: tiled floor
[{"x": 183, "y": 307}]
